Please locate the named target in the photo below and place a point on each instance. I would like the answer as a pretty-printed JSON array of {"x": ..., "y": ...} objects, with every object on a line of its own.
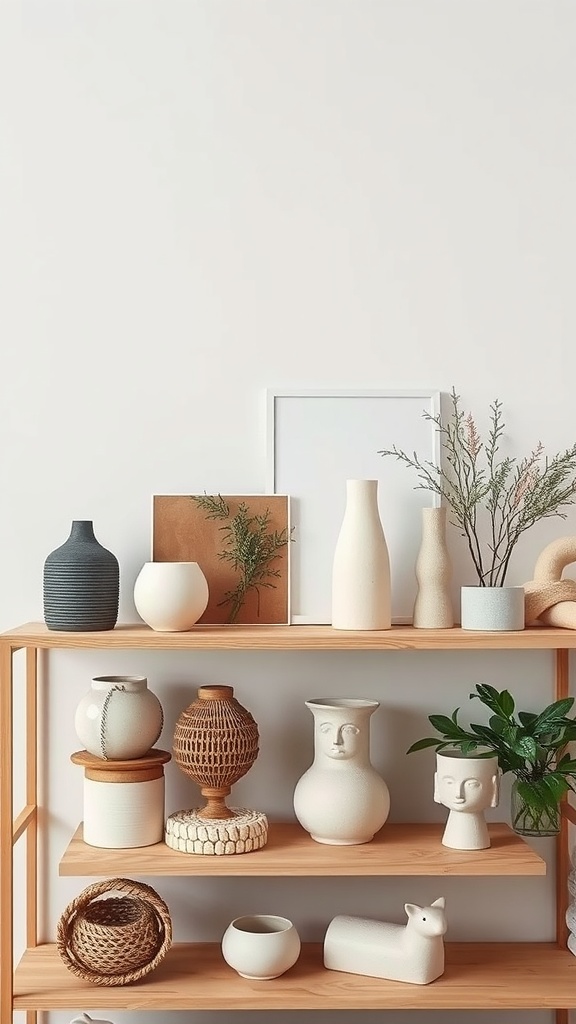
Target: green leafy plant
[
  {"x": 250, "y": 548},
  {"x": 530, "y": 746},
  {"x": 489, "y": 496}
]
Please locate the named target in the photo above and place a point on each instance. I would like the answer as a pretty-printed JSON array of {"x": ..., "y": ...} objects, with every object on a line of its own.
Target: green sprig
[{"x": 251, "y": 548}]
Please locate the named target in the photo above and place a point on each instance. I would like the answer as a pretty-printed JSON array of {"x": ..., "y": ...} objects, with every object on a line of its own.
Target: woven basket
[{"x": 117, "y": 940}]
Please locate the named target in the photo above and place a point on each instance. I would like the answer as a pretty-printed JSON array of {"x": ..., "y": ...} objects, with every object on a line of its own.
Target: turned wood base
[{"x": 188, "y": 832}]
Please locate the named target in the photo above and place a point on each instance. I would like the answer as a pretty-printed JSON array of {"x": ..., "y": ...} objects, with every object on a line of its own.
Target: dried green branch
[
  {"x": 251, "y": 548},
  {"x": 488, "y": 493}
]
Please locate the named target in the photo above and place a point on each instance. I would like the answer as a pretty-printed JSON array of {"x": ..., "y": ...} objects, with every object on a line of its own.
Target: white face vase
[{"x": 469, "y": 784}]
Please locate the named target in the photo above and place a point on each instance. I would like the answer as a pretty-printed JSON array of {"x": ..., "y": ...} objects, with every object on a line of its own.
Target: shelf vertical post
[
  {"x": 562, "y": 689},
  {"x": 6, "y": 846},
  {"x": 32, "y": 800}
]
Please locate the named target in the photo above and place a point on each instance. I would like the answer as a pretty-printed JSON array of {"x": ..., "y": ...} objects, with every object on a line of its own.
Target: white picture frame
[{"x": 315, "y": 441}]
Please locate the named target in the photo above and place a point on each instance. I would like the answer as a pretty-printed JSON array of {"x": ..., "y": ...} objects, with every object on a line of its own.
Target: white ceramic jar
[
  {"x": 171, "y": 596},
  {"x": 119, "y": 718},
  {"x": 123, "y": 800},
  {"x": 261, "y": 947},
  {"x": 342, "y": 800}
]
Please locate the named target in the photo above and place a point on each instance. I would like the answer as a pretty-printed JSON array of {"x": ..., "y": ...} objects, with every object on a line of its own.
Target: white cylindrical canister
[{"x": 123, "y": 800}]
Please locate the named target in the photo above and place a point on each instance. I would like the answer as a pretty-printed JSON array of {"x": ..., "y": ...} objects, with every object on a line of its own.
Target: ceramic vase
[
  {"x": 467, "y": 785},
  {"x": 342, "y": 800},
  {"x": 171, "y": 596},
  {"x": 81, "y": 583},
  {"x": 433, "y": 605},
  {"x": 261, "y": 947},
  {"x": 361, "y": 593},
  {"x": 119, "y": 718},
  {"x": 492, "y": 609}
]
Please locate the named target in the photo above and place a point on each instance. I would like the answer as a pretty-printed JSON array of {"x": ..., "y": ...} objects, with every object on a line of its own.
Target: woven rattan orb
[
  {"x": 117, "y": 940},
  {"x": 215, "y": 743}
]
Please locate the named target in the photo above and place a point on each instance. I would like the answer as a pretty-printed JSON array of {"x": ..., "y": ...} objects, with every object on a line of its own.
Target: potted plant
[
  {"x": 492, "y": 499},
  {"x": 530, "y": 746}
]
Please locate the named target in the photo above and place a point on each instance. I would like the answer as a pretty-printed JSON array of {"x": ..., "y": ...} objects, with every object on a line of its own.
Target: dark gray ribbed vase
[{"x": 81, "y": 583}]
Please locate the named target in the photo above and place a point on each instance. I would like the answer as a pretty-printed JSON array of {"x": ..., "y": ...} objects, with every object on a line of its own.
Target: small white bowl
[{"x": 261, "y": 946}]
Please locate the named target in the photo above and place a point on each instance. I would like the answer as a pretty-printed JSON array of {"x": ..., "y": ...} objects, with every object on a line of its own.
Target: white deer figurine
[{"x": 413, "y": 952}]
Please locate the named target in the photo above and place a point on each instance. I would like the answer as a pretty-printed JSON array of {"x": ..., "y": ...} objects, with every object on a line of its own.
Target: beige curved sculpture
[{"x": 549, "y": 599}]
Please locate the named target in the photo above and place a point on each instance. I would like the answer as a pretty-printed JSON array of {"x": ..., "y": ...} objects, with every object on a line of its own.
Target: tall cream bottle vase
[
  {"x": 361, "y": 590},
  {"x": 433, "y": 605}
]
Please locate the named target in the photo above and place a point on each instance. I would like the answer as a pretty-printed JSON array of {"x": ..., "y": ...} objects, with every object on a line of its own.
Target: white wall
[{"x": 204, "y": 198}]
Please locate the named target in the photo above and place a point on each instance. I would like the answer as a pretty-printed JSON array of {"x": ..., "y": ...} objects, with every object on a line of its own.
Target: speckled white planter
[
  {"x": 261, "y": 947},
  {"x": 492, "y": 609}
]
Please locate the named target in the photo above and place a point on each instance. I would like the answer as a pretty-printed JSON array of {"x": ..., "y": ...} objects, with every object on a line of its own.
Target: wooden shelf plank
[
  {"x": 298, "y": 638},
  {"x": 498, "y": 975},
  {"x": 398, "y": 849}
]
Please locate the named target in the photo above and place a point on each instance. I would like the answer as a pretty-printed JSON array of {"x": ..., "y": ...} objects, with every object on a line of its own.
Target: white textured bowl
[{"x": 261, "y": 947}]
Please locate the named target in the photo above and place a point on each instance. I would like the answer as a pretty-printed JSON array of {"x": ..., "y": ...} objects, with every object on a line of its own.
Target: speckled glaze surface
[
  {"x": 361, "y": 590},
  {"x": 261, "y": 947},
  {"x": 433, "y": 605},
  {"x": 119, "y": 718},
  {"x": 467, "y": 786},
  {"x": 413, "y": 952},
  {"x": 492, "y": 609},
  {"x": 341, "y": 799}
]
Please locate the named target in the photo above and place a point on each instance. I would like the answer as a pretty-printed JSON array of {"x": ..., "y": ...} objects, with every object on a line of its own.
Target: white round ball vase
[
  {"x": 261, "y": 947},
  {"x": 171, "y": 596},
  {"x": 119, "y": 718}
]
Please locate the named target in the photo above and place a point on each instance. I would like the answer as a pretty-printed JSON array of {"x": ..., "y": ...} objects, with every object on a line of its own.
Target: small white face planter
[{"x": 467, "y": 786}]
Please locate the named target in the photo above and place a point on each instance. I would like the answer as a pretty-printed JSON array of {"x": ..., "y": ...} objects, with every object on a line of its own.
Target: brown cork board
[{"x": 182, "y": 533}]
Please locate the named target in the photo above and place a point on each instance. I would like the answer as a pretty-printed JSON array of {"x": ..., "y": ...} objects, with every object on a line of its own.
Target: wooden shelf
[
  {"x": 513, "y": 976},
  {"x": 398, "y": 849},
  {"x": 297, "y": 638}
]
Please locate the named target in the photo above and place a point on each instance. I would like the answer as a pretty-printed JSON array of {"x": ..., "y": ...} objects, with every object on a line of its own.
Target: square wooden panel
[{"x": 182, "y": 532}]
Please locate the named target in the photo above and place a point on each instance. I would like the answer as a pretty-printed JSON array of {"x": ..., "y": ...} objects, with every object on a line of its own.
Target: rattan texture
[
  {"x": 117, "y": 940},
  {"x": 215, "y": 742}
]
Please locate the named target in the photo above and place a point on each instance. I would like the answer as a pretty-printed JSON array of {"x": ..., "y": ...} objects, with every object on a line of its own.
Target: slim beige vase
[{"x": 433, "y": 606}]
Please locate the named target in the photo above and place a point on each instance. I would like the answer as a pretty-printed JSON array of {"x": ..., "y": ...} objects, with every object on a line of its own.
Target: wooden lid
[{"x": 152, "y": 759}]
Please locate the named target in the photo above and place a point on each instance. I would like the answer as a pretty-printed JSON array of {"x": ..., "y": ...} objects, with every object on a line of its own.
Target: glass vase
[{"x": 531, "y": 820}]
